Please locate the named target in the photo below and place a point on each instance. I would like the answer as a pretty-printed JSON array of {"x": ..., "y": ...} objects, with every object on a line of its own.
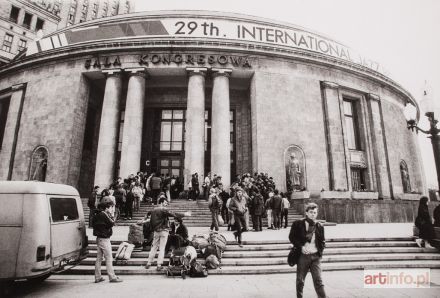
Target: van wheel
[
  {"x": 39, "y": 279},
  {"x": 6, "y": 288}
]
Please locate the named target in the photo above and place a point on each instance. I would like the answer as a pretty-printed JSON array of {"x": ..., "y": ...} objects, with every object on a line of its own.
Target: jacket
[
  {"x": 277, "y": 202},
  {"x": 258, "y": 205},
  {"x": 160, "y": 218},
  {"x": 237, "y": 206},
  {"x": 91, "y": 203},
  {"x": 214, "y": 203},
  {"x": 297, "y": 235},
  {"x": 102, "y": 225}
]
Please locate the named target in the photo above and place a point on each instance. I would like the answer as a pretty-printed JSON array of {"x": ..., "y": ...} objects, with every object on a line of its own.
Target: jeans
[
  {"x": 129, "y": 208},
  {"x": 257, "y": 222},
  {"x": 312, "y": 262},
  {"x": 159, "y": 242},
  {"x": 284, "y": 215},
  {"x": 214, "y": 224},
  {"x": 104, "y": 247},
  {"x": 276, "y": 214},
  {"x": 240, "y": 223},
  {"x": 269, "y": 218}
]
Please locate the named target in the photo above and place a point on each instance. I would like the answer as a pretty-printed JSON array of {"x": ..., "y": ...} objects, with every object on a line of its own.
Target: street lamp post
[{"x": 433, "y": 132}]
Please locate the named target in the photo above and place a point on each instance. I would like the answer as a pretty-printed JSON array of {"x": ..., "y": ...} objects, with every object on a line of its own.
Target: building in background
[
  {"x": 180, "y": 92},
  {"x": 20, "y": 20}
]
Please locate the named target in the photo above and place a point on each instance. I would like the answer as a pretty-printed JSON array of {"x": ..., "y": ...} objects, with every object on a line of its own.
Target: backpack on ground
[
  {"x": 198, "y": 270},
  {"x": 212, "y": 262},
  {"x": 136, "y": 235},
  {"x": 218, "y": 240},
  {"x": 200, "y": 241},
  {"x": 123, "y": 254}
]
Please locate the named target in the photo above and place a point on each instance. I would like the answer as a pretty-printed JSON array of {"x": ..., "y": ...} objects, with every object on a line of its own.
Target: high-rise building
[{"x": 20, "y": 20}]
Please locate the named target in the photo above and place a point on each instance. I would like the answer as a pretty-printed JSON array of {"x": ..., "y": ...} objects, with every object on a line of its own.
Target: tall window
[
  {"x": 4, "y": 107},
  {"x": 171, "y": 130},
  {"x": 39, "y": 25},
  {"x": 21, "y": 45},
  {"x": 352, "y": 133},
  {"x": 13, "y": 16},
  {"x": 7, "y": 42},
  {"x": 358, "y": 179},
  {"x": 27, "y": 20}
]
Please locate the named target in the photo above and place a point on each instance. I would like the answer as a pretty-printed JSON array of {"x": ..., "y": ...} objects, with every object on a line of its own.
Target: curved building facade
[{"x": 181, "y": 92}]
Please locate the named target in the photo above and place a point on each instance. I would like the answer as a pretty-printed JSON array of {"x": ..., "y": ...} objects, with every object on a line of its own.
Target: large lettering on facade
[
  {"x": 194, "y": 59},
  {"x": 174, "y": 29},
  {"x": 167, "y": 59}
]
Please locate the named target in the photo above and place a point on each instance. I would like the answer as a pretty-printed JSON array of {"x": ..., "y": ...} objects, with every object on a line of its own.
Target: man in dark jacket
[
  {"x": 102, "y": 229},
  {"x": 277, "y": 202},
  {"x": 91, "y": 203},
  {"x": 160, "y": 224},
  {"x": 258, "y": 210},
  {"x": 307, "y": 236}
]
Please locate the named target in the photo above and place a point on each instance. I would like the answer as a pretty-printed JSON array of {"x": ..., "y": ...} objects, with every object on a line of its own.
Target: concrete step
[
  {"x": 269, "y": 269},
  {"x": 280, "y": 260}
]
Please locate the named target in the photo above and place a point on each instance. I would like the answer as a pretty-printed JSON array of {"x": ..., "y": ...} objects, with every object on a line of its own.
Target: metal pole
[{"x": 435, "y": 140}]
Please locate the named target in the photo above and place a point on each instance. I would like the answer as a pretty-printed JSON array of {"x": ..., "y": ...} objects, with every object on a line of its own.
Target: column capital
[
  {"x": 112, "y": 71},
  {"x": 374, "y": 97},
  {"x": 221, "y": 72},
  {"x": 196, "y": 70},
  {"x": 17, "y": 87},
  {"x": 137, "y": 71},
  {"x": 327, "y": 84}
]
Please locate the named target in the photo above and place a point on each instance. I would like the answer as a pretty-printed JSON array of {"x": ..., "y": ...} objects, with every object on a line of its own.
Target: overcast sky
[{"x": 402, "y": 35}]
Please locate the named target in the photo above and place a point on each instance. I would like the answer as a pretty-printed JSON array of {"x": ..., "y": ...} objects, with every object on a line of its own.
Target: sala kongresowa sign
[{"x": 174, "y": 27}]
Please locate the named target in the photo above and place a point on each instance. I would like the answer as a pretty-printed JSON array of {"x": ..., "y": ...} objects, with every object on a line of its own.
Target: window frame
[
  {"x": 354, "y": 119},
  {"x": 7, "y": 44},
  {"x": 59, "y": 198},
  {"x": 10, "y": 14},
  {"x": 25, "y": 24}
]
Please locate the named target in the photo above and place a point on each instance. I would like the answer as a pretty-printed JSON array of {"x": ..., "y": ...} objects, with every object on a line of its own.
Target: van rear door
[
  {"x": 66, "y": 229},
  {"x": 11, "y": 225}
]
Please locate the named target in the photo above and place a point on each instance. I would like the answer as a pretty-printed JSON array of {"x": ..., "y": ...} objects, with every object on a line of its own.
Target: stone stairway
[
  {"x": 201, "y": 217},
  {"x": 270, "y": 256}
]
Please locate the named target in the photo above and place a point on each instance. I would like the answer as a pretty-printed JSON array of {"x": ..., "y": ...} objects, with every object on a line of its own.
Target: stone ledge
[
  {"x": 334, "y": 194},
  {"x": 408, "y": 196},
  {"x": 367, "y": 195},
  {"x": 300, "y": 195}
]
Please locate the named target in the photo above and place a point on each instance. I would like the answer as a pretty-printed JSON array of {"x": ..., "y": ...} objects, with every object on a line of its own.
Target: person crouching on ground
[
  {"x": 238, "y": 206},
  {"x": 307, "y": 236},
  {"x": 160, "y": 224},
  {"x": 102, "y": 229}
]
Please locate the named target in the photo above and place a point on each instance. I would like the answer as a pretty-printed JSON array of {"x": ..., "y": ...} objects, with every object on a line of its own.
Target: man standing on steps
[
  {"x": 160, "y": 224},
  {"x": 307, "y": 235}
]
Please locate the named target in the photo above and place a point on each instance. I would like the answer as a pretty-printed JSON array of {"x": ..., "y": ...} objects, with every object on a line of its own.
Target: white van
[{"x": 42, "y": 229}]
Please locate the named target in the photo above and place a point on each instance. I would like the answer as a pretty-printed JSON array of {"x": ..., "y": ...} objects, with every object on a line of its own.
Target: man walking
[
  {"x": 307, "y": 236},
  {"x": 160, "y": 224}
]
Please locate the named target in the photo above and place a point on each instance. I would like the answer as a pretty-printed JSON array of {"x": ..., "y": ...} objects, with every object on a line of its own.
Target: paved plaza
[{"x": 344, "y": 284}]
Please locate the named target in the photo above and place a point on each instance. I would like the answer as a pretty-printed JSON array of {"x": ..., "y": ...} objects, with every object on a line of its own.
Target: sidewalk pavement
[
  {"x": 368, "y": 230},
  {"x": 343, "y": 284}
]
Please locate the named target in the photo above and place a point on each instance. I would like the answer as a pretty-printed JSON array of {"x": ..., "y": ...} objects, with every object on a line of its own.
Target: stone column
[
  {"x": 108, "y": 130},
  {"x": 133, "y": 123},
  {"x": 337, "y": 160},
  {"x": 195, "y": 125},
  {"x": 379, "y": 149},
  {"x": 220, "y": 129},
  {"x": 7, "y": 152}
]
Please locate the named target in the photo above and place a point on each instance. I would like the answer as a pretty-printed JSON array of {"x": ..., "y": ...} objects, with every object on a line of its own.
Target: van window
[{"x": 63, "y": 209}]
